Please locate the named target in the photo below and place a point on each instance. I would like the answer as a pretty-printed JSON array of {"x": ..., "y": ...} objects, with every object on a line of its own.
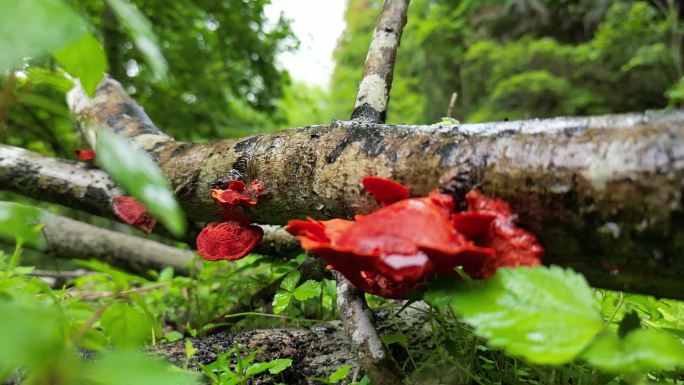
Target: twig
[
  {"x": 452, "y": 104},
  {"x": 358, "y": 323}
]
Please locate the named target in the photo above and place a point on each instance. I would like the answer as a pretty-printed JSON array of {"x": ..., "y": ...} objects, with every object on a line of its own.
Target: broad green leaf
[
  {"x": 31, "y": 28},
  {"x": 173, "y": 336},
  {"x": 140, "y": 30},
  {"x": 125, "y": 325},
  {"x": 308, "y": 289},
  {"x": 19, "y": 221},
  {"x": 281, "y": 301},
  {"x": 629, "y": 322},
  {"x": 274, "y": 367},
  {"x": 290, "y": 281},
  {"x": 640, "y": 350},
  {"x": 135, "y": 368},
  {"x": 30, "y": 334},
  {"x": 137, "y": 173},
  {"x": 339, "y": 374},
  {"x": 279, "y": 365},
  {"x": 546, "y": 315},
  {"x": 85, "y": 59}
]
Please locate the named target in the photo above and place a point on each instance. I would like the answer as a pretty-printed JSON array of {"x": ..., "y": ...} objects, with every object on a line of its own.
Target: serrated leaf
[
  {"x": 339, "y": 374},
  {"x": 32, "y": 28},
  {"x": 85, "y": 59},
  {"x": 290, "y": 281},
  {"x": 281, "y": 301},
  {"x": 19, "y": 221},
  {"x": 140, "y": 30},
  {"x": 308, "y": 289},
  {"x": 546, "y": 315},
  {"x": 640, "y": 350},
  {"x": 137, "y": 173},
  {"x": 126, "y": 326}
]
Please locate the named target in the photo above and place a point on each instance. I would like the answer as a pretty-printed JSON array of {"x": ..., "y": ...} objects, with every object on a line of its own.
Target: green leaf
[
  {"x": 290, "y": 281},
  {"x": 281, "y": 301},
  {"x": 137, "y": 173},
  {"x": 546, "y": 315},
  {"x": 308, "y": 289},
  {"x": 274, "y": 367},
  {"x": 640, "y": 350},
  {"x": 125, "y": 325},
  {"x": 19, "y": 221},
  {"x": 30, "y": 334},
  {"x": 279, "y": 365},
  {"x": 140, "y": 30},
  {"x": 173, "y": 336},
  {"x": 85, "y": 59},
  {"x": 339, "y": 374},
  {"x": 135, "y": 368},
  {"x": 32, "y": 28},
  {"x": 365, "y": 380}
]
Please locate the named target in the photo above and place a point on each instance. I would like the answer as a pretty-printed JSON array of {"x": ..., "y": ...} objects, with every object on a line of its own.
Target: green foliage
[
  {"x": 140, "y": 30},
  {"x": 338, "y": 375},
  {"x": 545, "y": 315},
  {"x": 640, "y": 350},
  {"x": 549, "y": 316},
  {"x": 85, "y": 59},
  {"x": 220, "y": 373},
  {"x": 520, "y": 59},
  {"x": 20, "y": 222},
  {"x": 33, "y": 28},
  {"x": 139, "y": 175},
  {"x": 306, "y": 290}
]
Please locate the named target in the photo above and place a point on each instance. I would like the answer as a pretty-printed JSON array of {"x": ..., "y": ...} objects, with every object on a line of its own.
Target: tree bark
[{"x": 603, "y": 193}]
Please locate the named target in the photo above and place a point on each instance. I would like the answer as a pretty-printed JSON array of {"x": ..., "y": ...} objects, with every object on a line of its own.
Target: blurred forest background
[{"x": 508, "y": 59}]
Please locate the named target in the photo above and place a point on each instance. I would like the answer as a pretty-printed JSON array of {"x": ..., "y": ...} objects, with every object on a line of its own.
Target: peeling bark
[{"x": 603, "y": 193}]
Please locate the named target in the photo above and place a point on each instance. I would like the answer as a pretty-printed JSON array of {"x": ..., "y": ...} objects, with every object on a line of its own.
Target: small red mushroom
[
  {"x": 85, "y": 154},
  {"x": 396, "y": 248},
  {"x": 130, "y": 211},
  {"x": 227, "y": 240},
  {"x": 237, "y": 194}
]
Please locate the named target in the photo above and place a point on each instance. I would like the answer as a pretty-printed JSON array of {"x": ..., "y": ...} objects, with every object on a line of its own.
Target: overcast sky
[{"x": 317, "y": 24}]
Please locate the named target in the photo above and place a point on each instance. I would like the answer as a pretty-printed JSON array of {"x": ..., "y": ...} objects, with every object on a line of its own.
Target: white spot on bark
[{"x": 373, "y": 90}]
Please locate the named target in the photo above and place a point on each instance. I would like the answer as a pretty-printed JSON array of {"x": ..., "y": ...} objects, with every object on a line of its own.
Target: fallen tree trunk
[{"x": 604, "y": 194}]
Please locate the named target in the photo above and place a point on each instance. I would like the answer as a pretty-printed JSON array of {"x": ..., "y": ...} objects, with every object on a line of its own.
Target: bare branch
[
  {"x": 372, "y": 96},
  {"x": 363, "y": 337}
]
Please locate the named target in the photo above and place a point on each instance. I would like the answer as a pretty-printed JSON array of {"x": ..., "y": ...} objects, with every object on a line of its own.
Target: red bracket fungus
[
  {"x": 399, "y": 247},
  {"x": 130, "y": 211},
  {"x": 85, "y": 154},
  {"x": 235, "y": 238},
  {"x": 227, "y": 240}
]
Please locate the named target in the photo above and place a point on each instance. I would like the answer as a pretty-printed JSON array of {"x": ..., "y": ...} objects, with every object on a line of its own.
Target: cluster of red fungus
[
  {"x": 401, "y": 246},
  {"x": 235, "y": 237}
]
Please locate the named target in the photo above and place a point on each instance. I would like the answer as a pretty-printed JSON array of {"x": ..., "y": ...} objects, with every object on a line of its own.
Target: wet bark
[{"x": 603, "y": 193}]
